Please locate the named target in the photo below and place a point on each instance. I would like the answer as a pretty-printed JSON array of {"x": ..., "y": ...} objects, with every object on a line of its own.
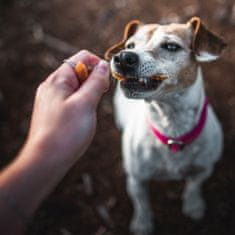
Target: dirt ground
[{"x": 35, "y": 36}]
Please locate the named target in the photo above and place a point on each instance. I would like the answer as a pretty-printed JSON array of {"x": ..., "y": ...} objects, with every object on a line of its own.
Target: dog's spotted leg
[
  {"x": 193, "y": 203},
  {"x": 142, "y": 222}
]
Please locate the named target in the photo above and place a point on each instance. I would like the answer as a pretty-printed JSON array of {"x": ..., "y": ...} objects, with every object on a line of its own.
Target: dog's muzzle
[{"x": 125, "y": 69}]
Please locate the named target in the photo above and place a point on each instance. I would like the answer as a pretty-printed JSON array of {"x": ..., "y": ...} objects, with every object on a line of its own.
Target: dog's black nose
[{"x": 126, "y": 60}]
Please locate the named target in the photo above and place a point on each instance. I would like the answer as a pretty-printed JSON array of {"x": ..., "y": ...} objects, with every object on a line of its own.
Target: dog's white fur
[{"x": 174, "y": 108}]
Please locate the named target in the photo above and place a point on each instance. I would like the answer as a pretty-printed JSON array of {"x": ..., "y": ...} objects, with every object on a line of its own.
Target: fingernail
[{"x": 102, "y": 67}]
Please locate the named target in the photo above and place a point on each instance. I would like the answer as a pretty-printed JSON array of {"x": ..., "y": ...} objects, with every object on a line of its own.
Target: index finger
[{"x": 65, "y": 70}]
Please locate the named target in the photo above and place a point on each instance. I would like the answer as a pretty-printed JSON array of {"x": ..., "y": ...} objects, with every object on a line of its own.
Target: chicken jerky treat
[{"x": 82, "y": 71}]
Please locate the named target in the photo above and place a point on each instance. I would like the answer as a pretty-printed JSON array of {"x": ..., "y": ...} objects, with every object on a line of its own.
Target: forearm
[
  {"x": 26, "y": 182},
  {"x": 62, "y": 127}
]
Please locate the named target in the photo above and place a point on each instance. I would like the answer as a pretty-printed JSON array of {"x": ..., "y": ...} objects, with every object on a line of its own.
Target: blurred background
[{"x": 35, "y": 36}]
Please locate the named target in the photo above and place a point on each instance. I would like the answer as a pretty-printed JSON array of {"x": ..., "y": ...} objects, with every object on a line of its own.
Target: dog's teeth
[{"x": 144, "y": 81}]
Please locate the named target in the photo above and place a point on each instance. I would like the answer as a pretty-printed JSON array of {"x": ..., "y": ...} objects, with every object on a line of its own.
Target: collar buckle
[{"x": 175, "y": 145}]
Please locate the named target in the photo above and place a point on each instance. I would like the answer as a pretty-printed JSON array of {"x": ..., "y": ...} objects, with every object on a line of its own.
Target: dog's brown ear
[
  {"x": 206, "y": 45},
  {"x": 130, "y": 29}
]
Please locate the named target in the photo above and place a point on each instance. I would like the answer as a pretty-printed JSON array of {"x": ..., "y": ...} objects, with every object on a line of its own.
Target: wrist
[{"x": 46, "y": 150}]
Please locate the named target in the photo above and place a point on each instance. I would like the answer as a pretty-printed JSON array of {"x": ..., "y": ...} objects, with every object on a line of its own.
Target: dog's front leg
[
  {"x": 142, "y": 222},
  {"x": 193, "y": 202}
]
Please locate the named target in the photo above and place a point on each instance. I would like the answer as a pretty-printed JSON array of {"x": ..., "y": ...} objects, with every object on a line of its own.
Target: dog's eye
[
  {"x": 130, "y": 45},
  {"x": 172, "y": 47}
]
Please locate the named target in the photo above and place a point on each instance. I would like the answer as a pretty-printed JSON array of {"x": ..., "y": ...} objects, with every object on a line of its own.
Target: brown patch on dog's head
[
  {"x": 130, "y": 29},
  {"x": 206, "y": 45},
  {"x": 187, "y": 75}
]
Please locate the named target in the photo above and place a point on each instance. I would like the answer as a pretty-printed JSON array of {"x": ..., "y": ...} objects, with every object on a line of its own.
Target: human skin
[{"x": 62, "y": 127}]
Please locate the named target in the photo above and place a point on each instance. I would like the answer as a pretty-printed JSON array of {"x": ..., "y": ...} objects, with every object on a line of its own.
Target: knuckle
[
  {"x": 57, "y": 77},
  {"x": 60, "y": 80},
  {"x": 84, "y": 52},
  {"x": 52, "y": 77}
]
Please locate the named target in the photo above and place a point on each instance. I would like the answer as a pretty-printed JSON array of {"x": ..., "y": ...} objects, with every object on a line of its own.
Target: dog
[{"x": 169, "y": 129}]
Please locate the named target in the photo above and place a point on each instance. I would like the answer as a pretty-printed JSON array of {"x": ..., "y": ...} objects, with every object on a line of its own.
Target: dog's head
[{"x": 152, "y": 58}]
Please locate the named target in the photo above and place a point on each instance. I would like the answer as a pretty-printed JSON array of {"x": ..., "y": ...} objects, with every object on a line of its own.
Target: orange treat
[
  {"x": 159, "y": 77},
  {"x": 118, "y": 76},
  {"x": 81, "y": 71}
]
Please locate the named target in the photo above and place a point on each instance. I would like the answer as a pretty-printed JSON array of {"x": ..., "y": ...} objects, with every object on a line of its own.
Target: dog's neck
[{"x": 177, "y": 113}]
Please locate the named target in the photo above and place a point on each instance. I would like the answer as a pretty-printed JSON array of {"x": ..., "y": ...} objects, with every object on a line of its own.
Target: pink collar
[{"x": 176, "y": 144}]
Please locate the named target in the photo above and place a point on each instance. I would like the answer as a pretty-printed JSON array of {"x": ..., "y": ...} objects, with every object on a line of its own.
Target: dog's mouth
[{"x": 140, "y": 84}]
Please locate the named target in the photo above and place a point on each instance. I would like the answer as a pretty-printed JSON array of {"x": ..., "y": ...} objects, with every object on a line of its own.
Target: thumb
[{"x": 94, "y": 87}]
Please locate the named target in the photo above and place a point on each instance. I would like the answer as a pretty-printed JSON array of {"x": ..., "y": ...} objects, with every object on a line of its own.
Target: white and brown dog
[{"x": 170, "y": 132}]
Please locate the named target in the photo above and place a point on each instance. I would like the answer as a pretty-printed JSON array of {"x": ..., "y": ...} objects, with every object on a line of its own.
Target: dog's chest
[{"x": 148, "y": 158}]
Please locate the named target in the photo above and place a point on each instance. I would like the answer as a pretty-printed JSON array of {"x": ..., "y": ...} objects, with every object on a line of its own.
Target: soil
[{"x": 35, "y": 36}]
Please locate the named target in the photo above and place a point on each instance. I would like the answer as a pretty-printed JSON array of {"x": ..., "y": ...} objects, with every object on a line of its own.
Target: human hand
[
  {"x": 62, "y": 127},
  {"x": 64, "y": 115}
]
